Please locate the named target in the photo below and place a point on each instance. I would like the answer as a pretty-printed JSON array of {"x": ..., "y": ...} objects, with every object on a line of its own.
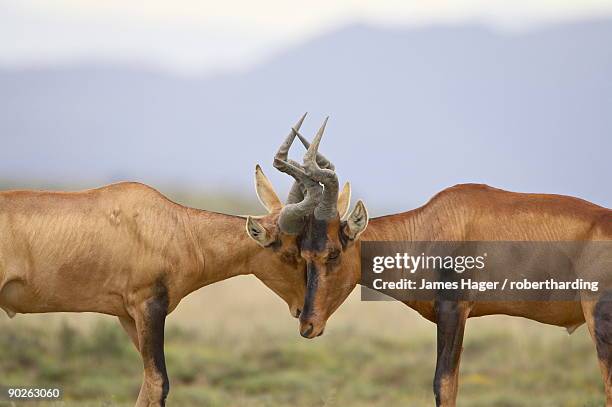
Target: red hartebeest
[
  {"x": 126, "y": 250},
  {"x": 329, "y": 244}
]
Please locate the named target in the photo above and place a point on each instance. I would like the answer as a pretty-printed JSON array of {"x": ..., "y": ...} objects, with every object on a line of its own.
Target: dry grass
[{"x": 235, "y": 344}]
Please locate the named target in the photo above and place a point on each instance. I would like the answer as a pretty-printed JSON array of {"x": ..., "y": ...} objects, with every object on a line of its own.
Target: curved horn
[
  {"x": 321, "y": 160},
  {"x": 296, "y": 193},
  {"x": 327, "y": 207},
  {"x": 283, "y": 150},
  {"x": 291, "y": 219}
]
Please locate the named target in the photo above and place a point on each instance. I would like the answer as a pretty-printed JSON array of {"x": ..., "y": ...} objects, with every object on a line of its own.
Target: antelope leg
[
  {"x": 150, "y": 320},
  {"x": 450, "y": 320},
  {"x": 129, "y": 326},
  {"x": 598, "y": 316}
]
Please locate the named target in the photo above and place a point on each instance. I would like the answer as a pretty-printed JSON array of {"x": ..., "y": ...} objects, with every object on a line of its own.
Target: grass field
[{"x": 235, "y": 344}]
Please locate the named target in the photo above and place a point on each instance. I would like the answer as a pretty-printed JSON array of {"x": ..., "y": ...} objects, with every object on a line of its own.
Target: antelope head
[
  {"x": 288, "y": 274},
  {"x": 326, "y": 235}
]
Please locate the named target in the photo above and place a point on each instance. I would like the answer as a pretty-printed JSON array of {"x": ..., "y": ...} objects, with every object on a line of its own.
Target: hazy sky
[{"x": 194, "y": 36}]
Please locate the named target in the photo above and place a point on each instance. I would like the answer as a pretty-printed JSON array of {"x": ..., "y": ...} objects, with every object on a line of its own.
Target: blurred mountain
[{"x": 412, "y": 111}]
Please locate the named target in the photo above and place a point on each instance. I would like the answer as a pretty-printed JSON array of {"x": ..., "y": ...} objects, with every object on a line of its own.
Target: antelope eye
[{"x": 333, "y": 255}]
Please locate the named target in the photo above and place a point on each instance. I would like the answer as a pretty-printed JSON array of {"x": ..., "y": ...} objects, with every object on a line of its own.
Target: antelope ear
[
  {"x": 357, "y": 221},
  {"x": 344, "y": 200},
  {"x": 258, "y": 232},
  {"x": 265, "y": 191}
]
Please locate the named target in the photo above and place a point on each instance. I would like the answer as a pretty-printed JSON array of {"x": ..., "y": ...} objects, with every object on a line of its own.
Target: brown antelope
[
  {"x": 128, "y": 251},
  {"x": 329, "y": 243}
]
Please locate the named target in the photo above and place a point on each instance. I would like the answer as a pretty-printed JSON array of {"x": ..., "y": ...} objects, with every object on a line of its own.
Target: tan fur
[
  {"x": 481, "y": 213},
  {"x": 105, "y": 250},
  {"x": 477, "y": 213}
]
